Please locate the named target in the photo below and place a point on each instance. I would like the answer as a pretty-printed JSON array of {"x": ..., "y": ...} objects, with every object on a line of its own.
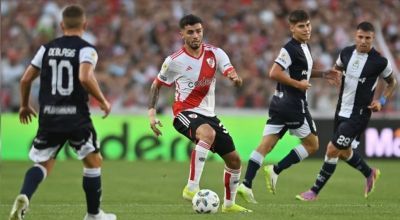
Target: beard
[{"x": 194, "y": 46}]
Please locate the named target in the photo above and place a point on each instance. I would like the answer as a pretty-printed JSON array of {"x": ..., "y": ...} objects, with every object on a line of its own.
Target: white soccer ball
[{"x": 205, "y": 201}]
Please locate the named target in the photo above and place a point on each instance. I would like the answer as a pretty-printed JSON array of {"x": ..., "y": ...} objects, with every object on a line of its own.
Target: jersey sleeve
[
  {"x": 88, "y": 55},
  {"x": 167, "y": 74},
  {"x": 387, "y": 71},
  {"x": 38, "y": 58},
  {"x": 284, "y": 59},
  {"x": 339, "y": 62},
  {"x": 223, "y": 63}
]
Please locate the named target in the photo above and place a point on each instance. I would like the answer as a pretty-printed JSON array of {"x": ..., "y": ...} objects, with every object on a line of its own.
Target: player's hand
[
  {"x": 334, "y": 77},
  {"x": 303, "y": 85},
  {"x": 26, "y": 113},
  {"x": 106, "y": 108},
  {"x": 375, "y": 106},
  {"x": 154, "y": 121},
  {"x": 237, "y": 81}
]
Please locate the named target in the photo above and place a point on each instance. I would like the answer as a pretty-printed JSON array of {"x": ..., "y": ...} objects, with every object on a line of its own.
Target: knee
[
  {"x": 311, "y": 145},
  {"x": 206, "y": 133},
  {"x": 93, "y": 160},
  {"x": 332, "y": 151},
  {"x": 233, "y": 162}
]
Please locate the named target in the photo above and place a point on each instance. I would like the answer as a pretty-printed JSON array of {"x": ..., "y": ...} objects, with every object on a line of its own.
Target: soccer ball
[{"x": 205, "y": 201}]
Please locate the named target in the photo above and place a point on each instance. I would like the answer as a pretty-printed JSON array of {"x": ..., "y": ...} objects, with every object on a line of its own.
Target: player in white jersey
[
  {"x": 361, "y": 65},
  {"x": 193, "y": 70}
]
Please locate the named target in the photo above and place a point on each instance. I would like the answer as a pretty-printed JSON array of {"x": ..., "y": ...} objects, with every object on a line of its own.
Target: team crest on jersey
[
  {"x": 193, "y": 116},
  {"x": 211, "y": 62}
]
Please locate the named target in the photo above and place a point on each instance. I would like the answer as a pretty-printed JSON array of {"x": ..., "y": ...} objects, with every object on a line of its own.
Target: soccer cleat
[
  {"x": 235, "y": 208},
  {"x": 371, "y": 181},
  {"x": 100, "y": 216},
  {"x": 19, "y": 208},
  {"x": 307, "y": 196},
  {"x": 187, "y": 194},
  {"x": 271, "y": 178},
  {"x": 246, "y": 193}
]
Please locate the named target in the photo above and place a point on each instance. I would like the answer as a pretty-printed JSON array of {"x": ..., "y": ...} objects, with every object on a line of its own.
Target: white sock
[
  {"x": 197, "y": 161},
  {"x": 231, "y": 182}
]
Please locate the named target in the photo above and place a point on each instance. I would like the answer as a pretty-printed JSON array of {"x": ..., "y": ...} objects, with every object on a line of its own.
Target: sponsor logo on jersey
[
  {"x": 201, "y": 83},
  {"x": 188, "y": 68},
  {"x": 211, "y": 62}
]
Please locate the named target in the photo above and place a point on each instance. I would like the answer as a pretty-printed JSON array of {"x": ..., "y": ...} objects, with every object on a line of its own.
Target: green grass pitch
[{"x": 152, "y": 190}]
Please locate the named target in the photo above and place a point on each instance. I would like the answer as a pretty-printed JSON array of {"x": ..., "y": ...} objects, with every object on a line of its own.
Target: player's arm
[
  {"x": 234, "y": 77},
  {"x": 333, "y": 75},
  {"x": 89, "y": 82},
  {"x": 152, "y": 112},
  {"x": 26, "y": 111},
  {"x": 276, "y": 73},
  {"x": 391, "y": 86}
]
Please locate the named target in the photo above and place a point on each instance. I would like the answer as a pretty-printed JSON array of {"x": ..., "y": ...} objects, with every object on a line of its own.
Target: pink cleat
[
  {"x": 307, "y": 196},
  {"x": 371, "y": 181}
]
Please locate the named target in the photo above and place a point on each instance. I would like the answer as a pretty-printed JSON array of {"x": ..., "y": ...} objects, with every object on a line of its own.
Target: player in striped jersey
[{"x": 361, "y": 65}]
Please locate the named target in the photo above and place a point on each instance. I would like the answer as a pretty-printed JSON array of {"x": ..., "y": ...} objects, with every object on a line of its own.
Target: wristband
[{"x": 382, "y": 100}]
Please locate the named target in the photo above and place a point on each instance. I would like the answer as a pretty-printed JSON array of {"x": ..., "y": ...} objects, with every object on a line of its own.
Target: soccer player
[
  {"x": 288, "y": 109},
  {"x": 65, "y": 66},
  {"x": 193, "y": 70},
  {"x": 361, "y": 65}
]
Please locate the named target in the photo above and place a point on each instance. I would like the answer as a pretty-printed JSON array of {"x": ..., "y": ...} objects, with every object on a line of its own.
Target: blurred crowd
[{"x": 134, "y": 36}]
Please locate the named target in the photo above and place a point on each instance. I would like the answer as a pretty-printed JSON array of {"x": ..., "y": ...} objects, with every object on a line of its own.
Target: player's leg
[
  {"x": 327, "y": 170},
  {"x": 44, "y": 149},
  {"x": 309, "y": 145},
  {"x": 255, "y": 162},
  {"x": 84, "y": 142},
  {"x": 195, "y": 127},
  {"x": 354, "y": 159},
  {"x": 225, "y": 147}
]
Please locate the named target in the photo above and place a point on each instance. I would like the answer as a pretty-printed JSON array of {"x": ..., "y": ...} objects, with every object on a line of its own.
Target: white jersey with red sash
[{"x": 194, "y": 78}]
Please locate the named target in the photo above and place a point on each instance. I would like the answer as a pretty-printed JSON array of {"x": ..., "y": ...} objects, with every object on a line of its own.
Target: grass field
[{"x": 152, "y": 190}]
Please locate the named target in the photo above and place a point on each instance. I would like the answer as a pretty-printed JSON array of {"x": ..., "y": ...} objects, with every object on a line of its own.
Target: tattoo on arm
[
  {"x": 154, "y": 93},
  {"x": 392, "y": 84}
]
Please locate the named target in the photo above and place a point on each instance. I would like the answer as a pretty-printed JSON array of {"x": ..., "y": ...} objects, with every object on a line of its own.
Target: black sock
[
  {"x": 289, "y": 160},
  {"x": 92, "y": 187},
  {"x": 252, "y": 168},
  {"x": 326, "y": 172},
  {"x": 33, "y": 177},
  {"x": 358, "y": 163}
]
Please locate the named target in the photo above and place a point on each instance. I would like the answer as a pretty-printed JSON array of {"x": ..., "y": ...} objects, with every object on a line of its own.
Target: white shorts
[
  {"x": 46, "y": 145},
  {"x": 301, "y": 132}
]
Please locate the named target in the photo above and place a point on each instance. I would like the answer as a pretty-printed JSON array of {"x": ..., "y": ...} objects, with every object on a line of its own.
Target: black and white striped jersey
[
  {"x": 359, "y": 80},
  {"x": 296, "y": 60},
  {"x": 62, "y": 99}
]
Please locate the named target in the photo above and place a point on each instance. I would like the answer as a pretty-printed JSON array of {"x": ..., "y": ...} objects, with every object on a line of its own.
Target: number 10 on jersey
[{"x": 57, "y": 77}]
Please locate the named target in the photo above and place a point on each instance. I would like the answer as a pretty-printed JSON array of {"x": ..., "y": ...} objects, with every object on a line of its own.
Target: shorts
[
  {"x": 187, "y": 122},
  {"x": 47, "y": 144},
  {"x": 347, "y": 131},
  {"x": 299, "y": 124}
]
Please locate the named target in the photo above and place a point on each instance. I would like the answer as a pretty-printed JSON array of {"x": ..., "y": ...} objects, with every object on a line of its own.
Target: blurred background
[{"x": 133, "y": 37}]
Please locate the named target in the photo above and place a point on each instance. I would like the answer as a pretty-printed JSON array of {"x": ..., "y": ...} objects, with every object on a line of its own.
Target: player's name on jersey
[
  {"x": 59, "y": 110},
  {"x": 58, "y": 52}
]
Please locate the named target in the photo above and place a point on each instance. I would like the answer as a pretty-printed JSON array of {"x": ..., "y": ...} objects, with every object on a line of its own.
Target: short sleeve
[
  {"x": 223, "y": 62},
  {"x": 38, "y": 58},
  {"x": 89, "y": 55},
  {"x": 283, "y": 59},
  {"x": 387, "y": 71},
  {"x": 166, "y": 75},
  {"x": 339, "y": 62}
]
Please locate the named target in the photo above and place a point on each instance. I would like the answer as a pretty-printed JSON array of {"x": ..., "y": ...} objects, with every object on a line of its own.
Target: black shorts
[
  {"x": 47, "y": 144},
  {"x": 348, "y": 129},
  {"x": 300, "y": 124},
  {"x": 187, "y": 122}
]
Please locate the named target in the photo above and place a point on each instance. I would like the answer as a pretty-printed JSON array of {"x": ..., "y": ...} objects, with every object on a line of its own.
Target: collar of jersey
[{"x": 201, "y": 54}]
